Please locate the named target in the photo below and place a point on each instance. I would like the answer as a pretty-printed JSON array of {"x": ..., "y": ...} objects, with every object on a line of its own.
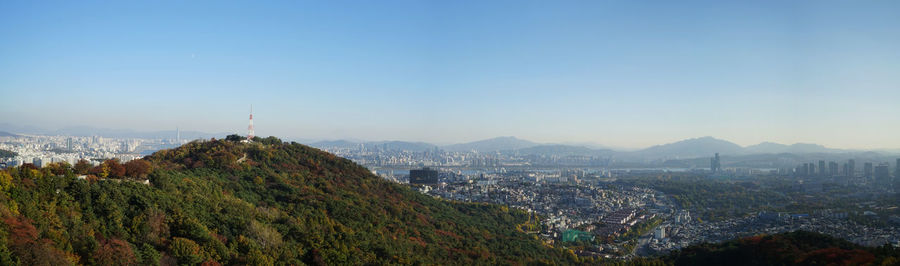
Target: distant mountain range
[
  {"x": 706, "y": 146},
  {"x": 686, "y": 153},
  {"x": 703, "y": 147}
]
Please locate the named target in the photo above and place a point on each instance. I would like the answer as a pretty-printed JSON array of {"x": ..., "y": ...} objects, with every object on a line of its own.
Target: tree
[
  {"x": 137, "y": 168},
  {"x": 60, "y": 168},
  {"x": 82, "y": 167},
  {"x": 186, "y": 251},
  {"x": 116, "y": 169},
  {"x": 157, "y": 230},
  {"x": 114, "y": 252},
  {"x": 149, "y": 255},
  {"x": 266, "y": 236},
  {"x": 28, "y": 166},
  {"x": 271, "y": 140},
  {"x": 25, "y": 244},
  {"x": 101, "y": 170},
  {"x": 234, "y": 138},
  {"x": 5, "y": 181}
]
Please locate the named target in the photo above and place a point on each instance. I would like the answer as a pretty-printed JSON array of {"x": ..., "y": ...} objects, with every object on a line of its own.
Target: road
[{"x": 640, "y": 249}]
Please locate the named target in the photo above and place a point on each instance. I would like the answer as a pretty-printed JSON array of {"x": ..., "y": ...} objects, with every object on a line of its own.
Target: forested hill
[
  {"x": 794, "y": 248},
  {"x": 260, "y": 203}
]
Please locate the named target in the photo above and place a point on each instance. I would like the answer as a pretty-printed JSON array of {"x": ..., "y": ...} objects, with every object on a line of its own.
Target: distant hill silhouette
[
  {"x": 690, "y": 148},
  {"x": 769, "y": 147},
  {"x": 689, "y": 153}
]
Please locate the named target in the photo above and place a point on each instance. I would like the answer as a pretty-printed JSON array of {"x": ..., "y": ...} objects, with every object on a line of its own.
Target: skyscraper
[
  {"x": 868, "y": 170},
  {"x": 897, "y": 169},
  {"x": 851, "y": 168},
  {"x": 882, "y": 174},
  {"x": 715, "y": 164},
  {"x": 896, "y": 184},
  {"x": 832, "y": 168},
  {"x": 821, "y": 170},
  {"x": 844, "y": 170},
  {"x": 803, "y": 170}
]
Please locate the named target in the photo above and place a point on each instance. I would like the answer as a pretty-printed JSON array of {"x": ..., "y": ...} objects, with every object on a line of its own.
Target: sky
[{"x": 616, "y": 73}]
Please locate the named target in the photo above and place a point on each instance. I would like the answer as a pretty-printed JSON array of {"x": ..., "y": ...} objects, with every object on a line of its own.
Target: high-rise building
[
  {"x": 844, "y": 170},
  {"x": 715, "y": 164},
  {"x": 803, "y": 170},
  {"x": 868, "y": 170},
  {"x": 896, "y": 184},
  {"x": 832, "y": 168},
  {"x": 423, "y": 176},
  {"x": 810, "y": 169},
  {"x": 882, "y": 174},
  {"x": 851, "y": 168},
  {"x": 821, "y": 170},
  {"x": 69, "y": 144},
  {"x": 897, "y": 169},
  {"x": 660, "y": 232}
]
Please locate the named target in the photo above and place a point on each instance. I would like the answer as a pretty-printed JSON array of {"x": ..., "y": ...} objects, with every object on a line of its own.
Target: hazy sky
[{"x": 620, "y": 73}]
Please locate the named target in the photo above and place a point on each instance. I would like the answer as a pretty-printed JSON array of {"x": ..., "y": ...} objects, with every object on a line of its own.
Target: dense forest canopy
[
  {"x": 261, "y": 203},
  {"x": 795, "y": 248}
]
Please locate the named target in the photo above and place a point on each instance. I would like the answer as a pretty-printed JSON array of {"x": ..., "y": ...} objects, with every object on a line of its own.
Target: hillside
[
  {"x": 231, "y": 203},
  {"x": 795, "y": 248}
]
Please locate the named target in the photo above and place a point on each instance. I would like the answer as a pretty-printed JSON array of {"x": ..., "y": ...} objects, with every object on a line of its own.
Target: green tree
[
  {"x": 82, "y": 167},
  {"x": 186, "y": 251},
  {"x": 234, "y": 138}
]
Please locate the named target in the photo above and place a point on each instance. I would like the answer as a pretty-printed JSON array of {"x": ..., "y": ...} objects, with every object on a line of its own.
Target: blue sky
[{"x": 619, "y": 73}]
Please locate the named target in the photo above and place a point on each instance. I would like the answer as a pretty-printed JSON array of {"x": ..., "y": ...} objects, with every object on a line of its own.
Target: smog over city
[{"x": 447, "y": 133}]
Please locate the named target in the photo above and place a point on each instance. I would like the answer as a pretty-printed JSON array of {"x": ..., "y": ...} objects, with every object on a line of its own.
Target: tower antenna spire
[{"x": 250, "y": 132}]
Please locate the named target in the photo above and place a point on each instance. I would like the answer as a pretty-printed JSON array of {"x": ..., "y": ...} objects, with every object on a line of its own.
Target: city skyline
[
  {"x": 177, "y": 133},
  {"x": 628, "y": 75}
]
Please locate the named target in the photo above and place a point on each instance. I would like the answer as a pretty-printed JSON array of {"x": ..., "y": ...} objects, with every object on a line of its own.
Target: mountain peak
[
  {"x": 297, "y": 203},
  {"x": 694, "y": 147}
]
